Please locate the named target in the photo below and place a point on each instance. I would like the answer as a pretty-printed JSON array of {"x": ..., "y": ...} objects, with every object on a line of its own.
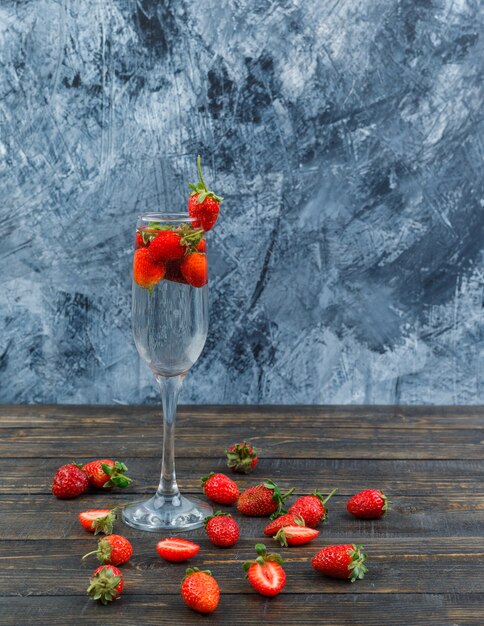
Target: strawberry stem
[
  {"x": 329, "y": 496},
  {"x": 200, "y": 175}
]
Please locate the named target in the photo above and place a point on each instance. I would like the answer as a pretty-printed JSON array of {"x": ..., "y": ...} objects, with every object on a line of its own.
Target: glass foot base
[{"x": 161, "y": 513}]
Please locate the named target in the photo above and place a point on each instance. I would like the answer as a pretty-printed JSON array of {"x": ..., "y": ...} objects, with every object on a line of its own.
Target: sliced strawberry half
[
  {"x": 295, "y": 535},
  {"x": 265, "y": 574},
  {"x": 289, "y": 519},
  {"x": 177, "y": 550},
  {"x": 98, "y": 520}
]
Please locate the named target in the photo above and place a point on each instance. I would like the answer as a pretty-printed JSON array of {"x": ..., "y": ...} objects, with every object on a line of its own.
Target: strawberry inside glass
[{"x": 170, "y": 325}]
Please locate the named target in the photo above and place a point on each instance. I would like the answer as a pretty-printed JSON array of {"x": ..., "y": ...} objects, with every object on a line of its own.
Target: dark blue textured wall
[{"x": 347, "y": 139}]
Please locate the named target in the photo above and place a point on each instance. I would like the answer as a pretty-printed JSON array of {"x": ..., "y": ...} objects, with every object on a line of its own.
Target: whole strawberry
[
  {"x": 242, "y": 458},
  {"x": 265, "y": 574},
  {"x": 200, "y": 590},
  {"x": 220, "y": 488},
  {"x": 167, "y": 246},
  {"x": 112, "y": 550},
  {"x": 289, "y": 519},
  {"x": 98, "y": 520},
  {"x": 106, "y": 584},
  {"x": 69, "y": 482},
  {"x": 106, "y": 474},
  {"x": 341, "y": 561},
  {"x": 222, "y": 529},
  {"x": 146, "y": 273},
  {"x": 194, "y": 269},
  {"x": 201, "y": 246},
  {"x": 262, "y": 500},
  {"x": 203, "y": 205},
  {"x": 368, "y": 504},
  {"x": 312, "y": 508}
]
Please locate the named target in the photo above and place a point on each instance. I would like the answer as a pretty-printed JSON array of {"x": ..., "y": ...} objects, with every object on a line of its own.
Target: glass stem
[{"x": 170, "y": 389}]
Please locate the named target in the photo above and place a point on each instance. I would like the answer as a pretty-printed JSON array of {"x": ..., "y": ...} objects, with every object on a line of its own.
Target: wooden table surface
[{"x": 425, "y": 558}]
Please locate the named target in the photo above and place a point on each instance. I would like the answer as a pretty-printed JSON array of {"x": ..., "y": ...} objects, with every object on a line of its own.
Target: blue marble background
[{"x": 347, "y": 139}]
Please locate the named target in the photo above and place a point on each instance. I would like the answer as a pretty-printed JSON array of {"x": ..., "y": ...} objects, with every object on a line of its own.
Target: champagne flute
[{"x": 170, "y": 325}]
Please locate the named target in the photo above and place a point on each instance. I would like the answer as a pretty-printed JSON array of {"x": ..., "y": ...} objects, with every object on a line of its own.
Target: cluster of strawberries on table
[{"x": 292, "y": 526}]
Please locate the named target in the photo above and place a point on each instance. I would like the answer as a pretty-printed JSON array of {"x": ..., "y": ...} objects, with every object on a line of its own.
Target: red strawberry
[
  {"x": 368, "y": 504},
  {"x": 98, "y": 520},
  {"x": 139, "y": 242},
  {"x": 275, "y": 526},
  {"x": 167, "y": 246},
  {"x": 146, "y": 273},
  {"x": 176, "y": 550},
  {"x": 262, "y": 500},
  {"x": 106, "y": 474},
  {"x": 194, "y": 269},
  {"x": 342, "y": 561},
  {"x": 296, "y": 535},
  {"x": 201, "y": 246},
  {"x": 203, "y": 205},
  {"x": 265, "y": 574},
  {"x": 200, "y": 590},
  {"x": 312, "y": 508},
  {"x": 173, "y": 273},
  {"x": 106, "y": 584},
  {"x": 69, "y": 482},
  {"x": 113, "y": 550},
  {"x": 220, "y": 488},
  {"x": 242, "y": 457},
  {"x": 222, "y": 529}
]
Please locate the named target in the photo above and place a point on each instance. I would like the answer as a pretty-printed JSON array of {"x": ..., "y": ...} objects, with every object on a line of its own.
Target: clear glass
[{"x": 170, "y": 325}]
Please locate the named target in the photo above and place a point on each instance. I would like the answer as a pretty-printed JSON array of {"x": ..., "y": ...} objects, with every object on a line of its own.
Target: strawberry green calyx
[
  {"x": 103, "y": 552},
  {"x": 116, "y": 475},
  {"x": 278, "y": 497},
  {"x": 282, "y": 534},
  {"x": 216, "y": 514},
  {"x": 386, "y": 502},
  {"x": 193, "y": 570},
  {"x": 102, "y": 585},
  {"x": 357, "y": 566},
  {"x": 200, "y": 187},
  {"x": 104, "y": 524},
  {"x": 241, "y": 457},
  {"x": 190, "y": 236},
  {"x": 204, "y": 479},
  {"x": 263, "y": 557}
]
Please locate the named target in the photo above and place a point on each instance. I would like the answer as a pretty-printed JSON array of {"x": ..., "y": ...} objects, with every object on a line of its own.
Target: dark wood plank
[
  {"x": 402, "y": 477},
  {"x": 197, "y": 441},
  {"x": 271, "y": 416},
  {"x": 394, "y": 566},
  {"x": 286, "y": 609},
  {"x": 437, "y": 516}
]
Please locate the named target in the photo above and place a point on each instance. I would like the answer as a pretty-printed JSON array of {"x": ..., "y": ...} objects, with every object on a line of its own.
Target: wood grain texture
[
  {"x": 287, "y": 609},
  {"x": 202, "y": 441},
  {"x": 423, "y": 557}
]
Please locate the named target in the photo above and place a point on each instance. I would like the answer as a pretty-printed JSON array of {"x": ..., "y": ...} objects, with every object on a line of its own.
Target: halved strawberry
[
  {"x": 265, "y": 574},
  {"x": 98, "y": 520},
  {"x": 296, "y": 535},
  {"x": 275, "y": 526},
  {"x": 177, "y": 550}
]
